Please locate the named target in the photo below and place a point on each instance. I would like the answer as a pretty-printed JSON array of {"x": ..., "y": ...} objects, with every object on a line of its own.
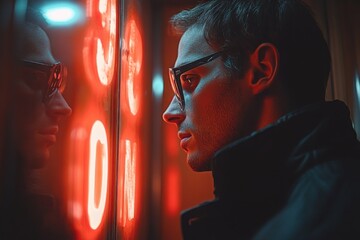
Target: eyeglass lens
[
  {"x": 55, "y": 81},
  {"x": 48, "y": 78},
  {"x": 174, "y": 76}
]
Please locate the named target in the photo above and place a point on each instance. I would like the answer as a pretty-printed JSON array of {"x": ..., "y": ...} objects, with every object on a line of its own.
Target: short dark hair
[{"x": 239, "y": 26}]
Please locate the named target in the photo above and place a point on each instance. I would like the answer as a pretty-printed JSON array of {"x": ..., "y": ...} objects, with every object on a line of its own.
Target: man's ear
[{"x": 264, "y": 61}]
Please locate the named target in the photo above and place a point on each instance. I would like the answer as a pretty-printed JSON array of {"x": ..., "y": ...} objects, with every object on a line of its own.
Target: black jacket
[{"x": 298, "y": 178}]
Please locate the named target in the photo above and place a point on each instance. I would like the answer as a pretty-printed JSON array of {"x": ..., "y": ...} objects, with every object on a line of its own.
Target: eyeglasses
[
  {"x": 175, "y": 73},
  {"x": 47, "y": 77}
]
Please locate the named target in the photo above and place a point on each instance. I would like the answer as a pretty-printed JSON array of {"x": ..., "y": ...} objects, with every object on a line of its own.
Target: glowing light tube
[
  {"x": 130, "y": 179},
  {"x": 95, "y": 213}
]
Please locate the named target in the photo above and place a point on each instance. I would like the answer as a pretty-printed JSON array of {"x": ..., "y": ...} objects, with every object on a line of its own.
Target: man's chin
[
  {"x": 198, "y": 164},
  {"x": 38, "y": 160}
]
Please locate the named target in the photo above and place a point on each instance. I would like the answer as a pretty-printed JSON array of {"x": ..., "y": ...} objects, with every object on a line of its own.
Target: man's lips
[
  {"x": 49, "y": 134},
  {"x": 53, "y": 130},
  {"x": 184, "y": 139}
]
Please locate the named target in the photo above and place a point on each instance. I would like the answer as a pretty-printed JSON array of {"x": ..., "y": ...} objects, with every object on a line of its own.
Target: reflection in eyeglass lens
[{"x": 46, "y": 78}]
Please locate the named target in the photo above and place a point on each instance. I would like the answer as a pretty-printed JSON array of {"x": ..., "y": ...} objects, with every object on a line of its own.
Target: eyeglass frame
[
  {"x": 175, "y": 73},
  {"x": 56, "y": 79}
]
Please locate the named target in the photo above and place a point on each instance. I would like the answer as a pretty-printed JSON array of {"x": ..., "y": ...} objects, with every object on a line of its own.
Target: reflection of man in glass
[
  {"x": 37, "y": 107},
  {"x": 39, "y": 102}
]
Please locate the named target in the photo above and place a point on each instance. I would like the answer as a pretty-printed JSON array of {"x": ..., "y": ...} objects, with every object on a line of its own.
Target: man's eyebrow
[
  {"x": 189, "y": 61},
  {"x": 182, "y": 64}
]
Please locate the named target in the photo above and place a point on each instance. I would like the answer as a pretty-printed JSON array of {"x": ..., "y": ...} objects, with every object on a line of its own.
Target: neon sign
[
  {"x": 91, "y": 172},
  {"x": 127, "y": 208},
  {"x": 105, "y": 58},
  {"x": 99, "y": 51},
  {"x": 132, "y": 65},
  {"x": 131, "y": 109},
  {"x": 98, "y": 144}
]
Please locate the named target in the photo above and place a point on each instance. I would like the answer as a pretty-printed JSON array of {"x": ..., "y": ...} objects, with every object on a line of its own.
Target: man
[
  {"x": 249, "y": 84},
  {"x": 39, "y": 104},
  {"x": 33, "y": 123}
]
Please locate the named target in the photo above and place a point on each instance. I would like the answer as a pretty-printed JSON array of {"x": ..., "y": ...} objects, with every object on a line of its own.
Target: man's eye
[
  {"x": 189, "y": 81},
  {"x": 36, "y": 80}
]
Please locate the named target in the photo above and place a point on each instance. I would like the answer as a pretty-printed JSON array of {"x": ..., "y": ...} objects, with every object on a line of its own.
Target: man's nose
[
  {"x": 173, "y": 113},
  {"x": 57, "y": 106}
]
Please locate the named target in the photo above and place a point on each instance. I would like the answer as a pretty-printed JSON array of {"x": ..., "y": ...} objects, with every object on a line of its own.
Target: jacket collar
[{"x": 264, "y": 164}]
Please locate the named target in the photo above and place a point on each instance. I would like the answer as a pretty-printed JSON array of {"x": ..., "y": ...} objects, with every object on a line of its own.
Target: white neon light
[
  {"x": 130, "y": 178},
  {"x": 105, "y": 68},
  {"x": 105, "y": 60},
  {"x": 102, "y": 6},
  {"x": 158, "y": 85},
  {"x": 127, "y": 205},
  {"x": 134, "y": 66},
  {"x": 62, "y": 14},
  {"x": 95, "y": 213}
]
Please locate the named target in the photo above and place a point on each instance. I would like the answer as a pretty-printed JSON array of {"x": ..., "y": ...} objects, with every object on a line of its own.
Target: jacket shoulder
[{"x": 324, "y": 204}]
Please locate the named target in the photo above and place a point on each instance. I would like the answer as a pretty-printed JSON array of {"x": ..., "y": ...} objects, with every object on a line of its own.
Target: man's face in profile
[
  {"x": 217, "y": 109},
  {"x": 38, "y": 106}
]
